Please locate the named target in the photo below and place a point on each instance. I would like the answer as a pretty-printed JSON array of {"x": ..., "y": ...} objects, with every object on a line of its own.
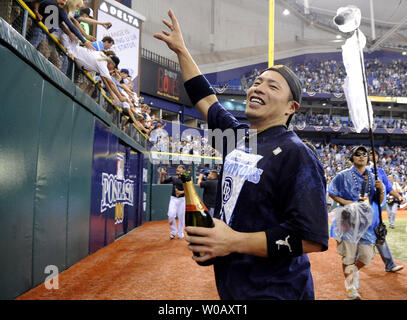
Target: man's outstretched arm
[{"x": 174, "y": 40}]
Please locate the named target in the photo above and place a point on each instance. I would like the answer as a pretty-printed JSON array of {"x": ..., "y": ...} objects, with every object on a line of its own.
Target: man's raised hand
[{"x": 173, "y": 37}]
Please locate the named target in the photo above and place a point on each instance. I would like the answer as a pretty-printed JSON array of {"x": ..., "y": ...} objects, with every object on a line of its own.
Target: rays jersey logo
[
  {"x": 227, "y": 189},
  {"x": 238, "y": 167}
]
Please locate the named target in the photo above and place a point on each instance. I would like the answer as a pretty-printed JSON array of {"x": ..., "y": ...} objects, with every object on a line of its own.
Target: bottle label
[{"x": 197, "y": 207}]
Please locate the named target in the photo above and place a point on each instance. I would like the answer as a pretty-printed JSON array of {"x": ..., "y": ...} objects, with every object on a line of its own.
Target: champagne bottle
[{"x": 196, "y": 213}]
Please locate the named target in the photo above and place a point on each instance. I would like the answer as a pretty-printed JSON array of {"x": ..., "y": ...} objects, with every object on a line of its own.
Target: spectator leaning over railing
[
  {"x": 126, "y": 80},
  {"x": 129, "y": 108},
  {"x": 86, "y": 15},
  {"x": 97, "y": 62},
  {"x": 90, "y": 60},
  {"x": 125, "y": 84},
  {"x": 118, "y": 96},
  {"x": 146, "y": 111},
  {"x": 125, "y": 74},
  {"x": 129, "y": 94},
  {"x": 70, "y": 7},
  {"x": 129, "y": 91},
  {"x": 105, "y": 44},
  {"x": 36, "y": 35}
]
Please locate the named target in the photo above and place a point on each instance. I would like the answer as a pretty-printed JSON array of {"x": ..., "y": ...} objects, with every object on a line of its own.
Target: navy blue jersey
[
  {"x": 176, "y": 184},
  {"x": 281, "y": 184}
]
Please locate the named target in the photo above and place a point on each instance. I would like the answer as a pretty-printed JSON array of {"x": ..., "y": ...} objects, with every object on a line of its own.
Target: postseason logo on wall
[{"x": 117, "y": 191}]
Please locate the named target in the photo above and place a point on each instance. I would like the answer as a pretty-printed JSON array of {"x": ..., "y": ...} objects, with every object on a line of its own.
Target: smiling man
[
  {"x": 272, "y": 88},
  {"x": 271, "y": 205}
]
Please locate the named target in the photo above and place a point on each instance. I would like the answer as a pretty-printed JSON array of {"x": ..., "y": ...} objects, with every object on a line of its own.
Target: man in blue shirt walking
[{"x": 349, "y": 186}]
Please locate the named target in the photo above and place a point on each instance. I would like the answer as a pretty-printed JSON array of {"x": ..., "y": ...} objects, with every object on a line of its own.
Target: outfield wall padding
[{"x": 47, "y": 135}]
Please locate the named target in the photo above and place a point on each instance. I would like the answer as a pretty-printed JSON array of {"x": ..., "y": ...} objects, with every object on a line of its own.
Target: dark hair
[
  {"x": 215, "y": 172},
  {"x": 290, "y": 97},
  {"x": 108, "y": 39},
  {"x": 109, "y": 53},
  {"x": 354, "y": 149},
  {"x": 84, "y": 11},
  {"x": 115, "y": 60},
  {"x": 375, "y": 151}
]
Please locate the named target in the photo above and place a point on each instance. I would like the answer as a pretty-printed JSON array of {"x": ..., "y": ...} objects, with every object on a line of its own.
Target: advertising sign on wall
[
  {"x": 125, "y": 31},
  {"x": 162, "y": 82}
]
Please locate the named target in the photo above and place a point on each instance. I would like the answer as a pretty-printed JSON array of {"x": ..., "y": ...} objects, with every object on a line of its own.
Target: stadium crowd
[
  {"x": 196, "y": 145},
  {"x": 393, "y": 160},
  {"x": 321, "y": 76},
  {"x": 325, "y": 120},
  {"x": 327, "y": 77}
]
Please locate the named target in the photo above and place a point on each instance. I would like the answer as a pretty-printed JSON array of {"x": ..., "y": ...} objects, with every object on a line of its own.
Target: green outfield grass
[{"x": 397, "y": 239}]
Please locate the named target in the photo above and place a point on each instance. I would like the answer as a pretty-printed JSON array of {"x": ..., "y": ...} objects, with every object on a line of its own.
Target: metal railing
[
  {"x": 20, "y": 16},
  {"x": 165, "y": 62}
]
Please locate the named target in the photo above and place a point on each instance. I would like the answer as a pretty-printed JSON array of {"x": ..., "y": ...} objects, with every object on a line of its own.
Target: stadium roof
[{"x": 224, "y": 34}]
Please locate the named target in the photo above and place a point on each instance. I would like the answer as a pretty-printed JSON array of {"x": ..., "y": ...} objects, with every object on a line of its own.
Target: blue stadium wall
[{"x": 60, "y": 160}]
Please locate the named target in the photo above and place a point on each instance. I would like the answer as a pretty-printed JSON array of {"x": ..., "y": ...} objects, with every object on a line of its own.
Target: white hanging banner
[{"x": 352, "y": 53}]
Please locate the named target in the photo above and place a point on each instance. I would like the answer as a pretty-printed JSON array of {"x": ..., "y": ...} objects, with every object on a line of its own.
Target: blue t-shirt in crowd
[
  {"x": 117, "y": 84},
  {"x": 381, "y": 175},
  {"x": 282, "y": 184},
  {"x": 98, "y": 45}
]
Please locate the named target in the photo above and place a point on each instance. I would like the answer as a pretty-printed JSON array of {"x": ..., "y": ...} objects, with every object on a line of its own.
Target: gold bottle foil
[{"x": 192, "y": 201}]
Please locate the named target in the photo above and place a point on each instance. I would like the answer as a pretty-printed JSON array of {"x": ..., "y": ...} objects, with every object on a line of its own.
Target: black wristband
[
  {"x": 198, "y": 88},
  {"x": 282, "y": 244}
]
